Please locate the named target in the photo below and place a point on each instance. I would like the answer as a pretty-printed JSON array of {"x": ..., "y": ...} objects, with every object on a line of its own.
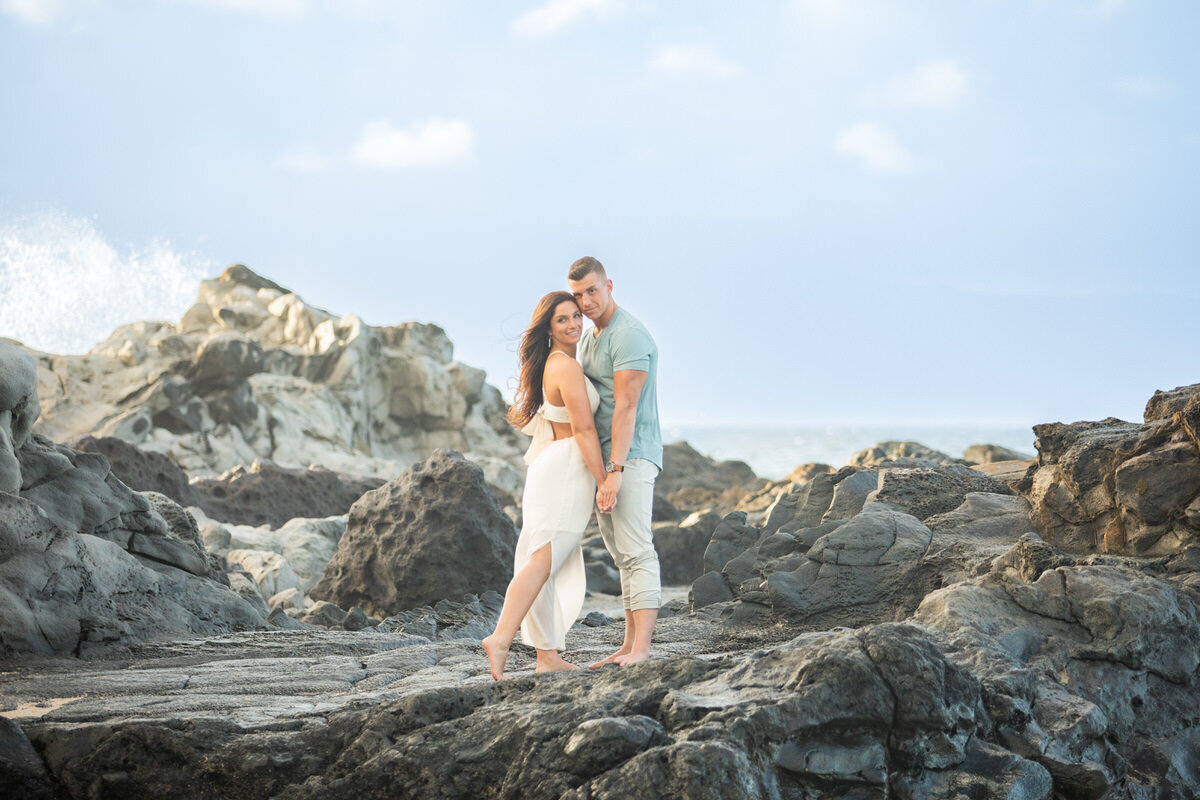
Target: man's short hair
[{"x": 584, "y": 267}]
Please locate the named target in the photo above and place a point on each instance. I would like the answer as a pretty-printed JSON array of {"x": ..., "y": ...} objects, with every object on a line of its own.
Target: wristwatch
[{"x": 611, "y": 467}]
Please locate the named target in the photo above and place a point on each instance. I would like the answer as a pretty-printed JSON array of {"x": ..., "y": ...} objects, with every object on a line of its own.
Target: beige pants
[{"x": 627, "y": 535}]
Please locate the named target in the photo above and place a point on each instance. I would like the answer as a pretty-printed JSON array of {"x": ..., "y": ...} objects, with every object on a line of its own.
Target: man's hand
[{"x": 606, "y": 494}]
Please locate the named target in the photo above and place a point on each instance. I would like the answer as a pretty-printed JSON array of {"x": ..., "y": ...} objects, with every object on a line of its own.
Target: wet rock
[{"x": 434, "y": 532}]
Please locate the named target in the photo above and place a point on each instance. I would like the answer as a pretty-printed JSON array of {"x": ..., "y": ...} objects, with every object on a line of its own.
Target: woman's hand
[{"x": 606, "y": 495}]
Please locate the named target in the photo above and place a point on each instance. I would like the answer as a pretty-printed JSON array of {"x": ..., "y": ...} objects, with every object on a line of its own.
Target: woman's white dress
[{"x": 556, "y": 505}]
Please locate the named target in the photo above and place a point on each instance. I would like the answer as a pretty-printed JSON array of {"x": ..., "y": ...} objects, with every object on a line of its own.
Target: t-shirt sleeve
[{"x": 631, "y": 349}]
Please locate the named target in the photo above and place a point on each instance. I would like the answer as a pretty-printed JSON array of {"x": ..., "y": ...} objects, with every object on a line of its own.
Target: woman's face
[{"x": 566, "y": 324}]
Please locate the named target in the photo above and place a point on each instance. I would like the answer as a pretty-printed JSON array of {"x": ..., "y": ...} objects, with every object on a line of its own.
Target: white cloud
[
  {"x": 694, "y": 59},
  {"x": 874, "y": 147},
  {"x": 302, "y": 158},
  {"x": 936, "y": 84},
  {"x": 33, "y": 12},
  {"x": 433, "y": 143},
  {"x": 557, "y": 15},
  {"x": 1144, "y": 87}
]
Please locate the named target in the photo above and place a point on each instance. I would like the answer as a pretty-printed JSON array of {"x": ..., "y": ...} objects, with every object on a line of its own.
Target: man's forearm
[{"x": 623, "y": 422}]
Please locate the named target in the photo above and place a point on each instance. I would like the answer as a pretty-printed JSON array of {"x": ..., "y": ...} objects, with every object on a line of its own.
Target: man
[{"x": 621, "y": 359}]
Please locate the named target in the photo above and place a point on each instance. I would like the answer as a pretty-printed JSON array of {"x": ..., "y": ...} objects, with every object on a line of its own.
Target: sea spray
[{"x": 64, "y": 287}]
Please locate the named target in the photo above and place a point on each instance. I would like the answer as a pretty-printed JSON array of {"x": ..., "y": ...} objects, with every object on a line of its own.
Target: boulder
[
  {"x": 1120, "y": 487},
  {"x": 926, "y": 491},
  {"x": 681, "y": 547},
  {"x": 434, "y": 532},
  {"x": 685, "y": 467},
  {"x": 140, "y": 470},
  {"x": 900, "y": 454},
  {"x": 266, "y": 493},
  {"x": 991, "y": 453}
]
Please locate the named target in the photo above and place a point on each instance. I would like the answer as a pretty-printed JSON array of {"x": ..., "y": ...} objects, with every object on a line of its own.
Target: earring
[{"x": 550, "y": 341}]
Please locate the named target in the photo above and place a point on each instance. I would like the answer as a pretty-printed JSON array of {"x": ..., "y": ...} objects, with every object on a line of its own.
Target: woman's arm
[{"x": 567, "y": 377}]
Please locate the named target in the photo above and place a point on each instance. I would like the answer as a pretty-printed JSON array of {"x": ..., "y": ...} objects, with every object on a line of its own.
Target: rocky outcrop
[
  {"x": 900, "y": 454},
  {"x": 692, "y": 481},
  {"x": 74, "y": 593},
  {"x": 251, "y": 372},
  {"x": 991, "y": 453},
  {"x": 85, "y": 561},
  {"x": 434, "y": 532},
  {"x": 1121, "y": 487}
]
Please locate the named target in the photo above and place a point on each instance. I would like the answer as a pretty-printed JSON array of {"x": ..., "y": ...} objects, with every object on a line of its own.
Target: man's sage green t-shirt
[{"x": 624, "y": 344}]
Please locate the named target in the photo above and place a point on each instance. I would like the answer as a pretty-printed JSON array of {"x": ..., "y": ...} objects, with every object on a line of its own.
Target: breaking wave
[{"x": 64, "y": 287}]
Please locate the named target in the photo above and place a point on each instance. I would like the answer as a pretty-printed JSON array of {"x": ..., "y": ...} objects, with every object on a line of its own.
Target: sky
[{"x": 826, "y": 211}]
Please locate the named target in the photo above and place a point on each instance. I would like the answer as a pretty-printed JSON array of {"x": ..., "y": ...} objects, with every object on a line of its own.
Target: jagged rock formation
[
  {"x": 263, "y": 493},
  {"x": 1122, "y": 487},
  {"x": 251, "y": 373},
  {"x": 84, "y": 560},
  {"x": 434, "y": 532},
  {"x": 692, "y": 481}
]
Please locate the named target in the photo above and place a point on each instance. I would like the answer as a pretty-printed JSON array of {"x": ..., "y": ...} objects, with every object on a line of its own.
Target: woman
[{"x": 554, "y": 403}]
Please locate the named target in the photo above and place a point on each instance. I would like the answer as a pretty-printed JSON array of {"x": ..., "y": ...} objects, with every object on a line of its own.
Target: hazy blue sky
[{"x": 826, "y": 211}]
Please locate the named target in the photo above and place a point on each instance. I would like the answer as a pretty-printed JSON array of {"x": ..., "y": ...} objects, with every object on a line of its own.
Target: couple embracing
[{"x": 589, "y": 399}]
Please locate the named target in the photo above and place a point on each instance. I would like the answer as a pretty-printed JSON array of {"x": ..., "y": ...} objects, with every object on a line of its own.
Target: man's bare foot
[
  {"x": 631, "y": 658},
  {"x": 610, "y": 660},
  {"x": 497, "y": 654},
  {"x": 552, "y": 662}
]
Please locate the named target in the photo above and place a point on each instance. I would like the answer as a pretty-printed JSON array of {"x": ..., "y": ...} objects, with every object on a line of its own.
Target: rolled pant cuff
[{"x": 644, "y": 601}]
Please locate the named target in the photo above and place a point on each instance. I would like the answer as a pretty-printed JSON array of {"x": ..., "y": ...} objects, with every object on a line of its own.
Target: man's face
[{"x": 593, "y": 293}]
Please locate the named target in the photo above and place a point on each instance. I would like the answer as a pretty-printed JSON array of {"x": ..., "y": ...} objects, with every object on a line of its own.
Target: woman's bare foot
[
  {"x": 497, "y": 655},
  {"x": 551, "y": 661},
  {"x": 611, "y": 659}
]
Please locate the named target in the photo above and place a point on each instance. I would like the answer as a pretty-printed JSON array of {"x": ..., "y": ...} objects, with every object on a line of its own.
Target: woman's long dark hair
[{"x": 533, "y": 352}]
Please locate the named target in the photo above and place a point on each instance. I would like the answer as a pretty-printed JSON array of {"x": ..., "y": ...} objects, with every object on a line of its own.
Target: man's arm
[{"x": 627, "y": 388}]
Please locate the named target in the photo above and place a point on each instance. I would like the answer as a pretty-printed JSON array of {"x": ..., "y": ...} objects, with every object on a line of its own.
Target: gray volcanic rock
[
  {"x": 924, "y": 492},
  {"x": 268, "y": 494},
  {"x": 434, "y": 532},
  {"x": 1087, "y": 669},
  {"x": 681, "y": 547},
  {"x": 1120, "y": 487},
  {"x": 78, "y": 492},
  {"x": 252, "y": 372},
  {"x": 692, "y": 481},
  {"x": 18, "y": 410},
  {"x": 900, "y": 454},
  {"x": 22, "y": 773},
  {"x": 685, "y": 467},
  {"x": 991, "y": 453},
  {"x": 1164, "y": 405},
  {"x": 140, "y": 470},
  {"x": 64, "y": 592}
]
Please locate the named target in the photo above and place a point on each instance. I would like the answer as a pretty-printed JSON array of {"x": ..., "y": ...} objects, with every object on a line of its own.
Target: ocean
[{"x": 773, "y": 452}]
